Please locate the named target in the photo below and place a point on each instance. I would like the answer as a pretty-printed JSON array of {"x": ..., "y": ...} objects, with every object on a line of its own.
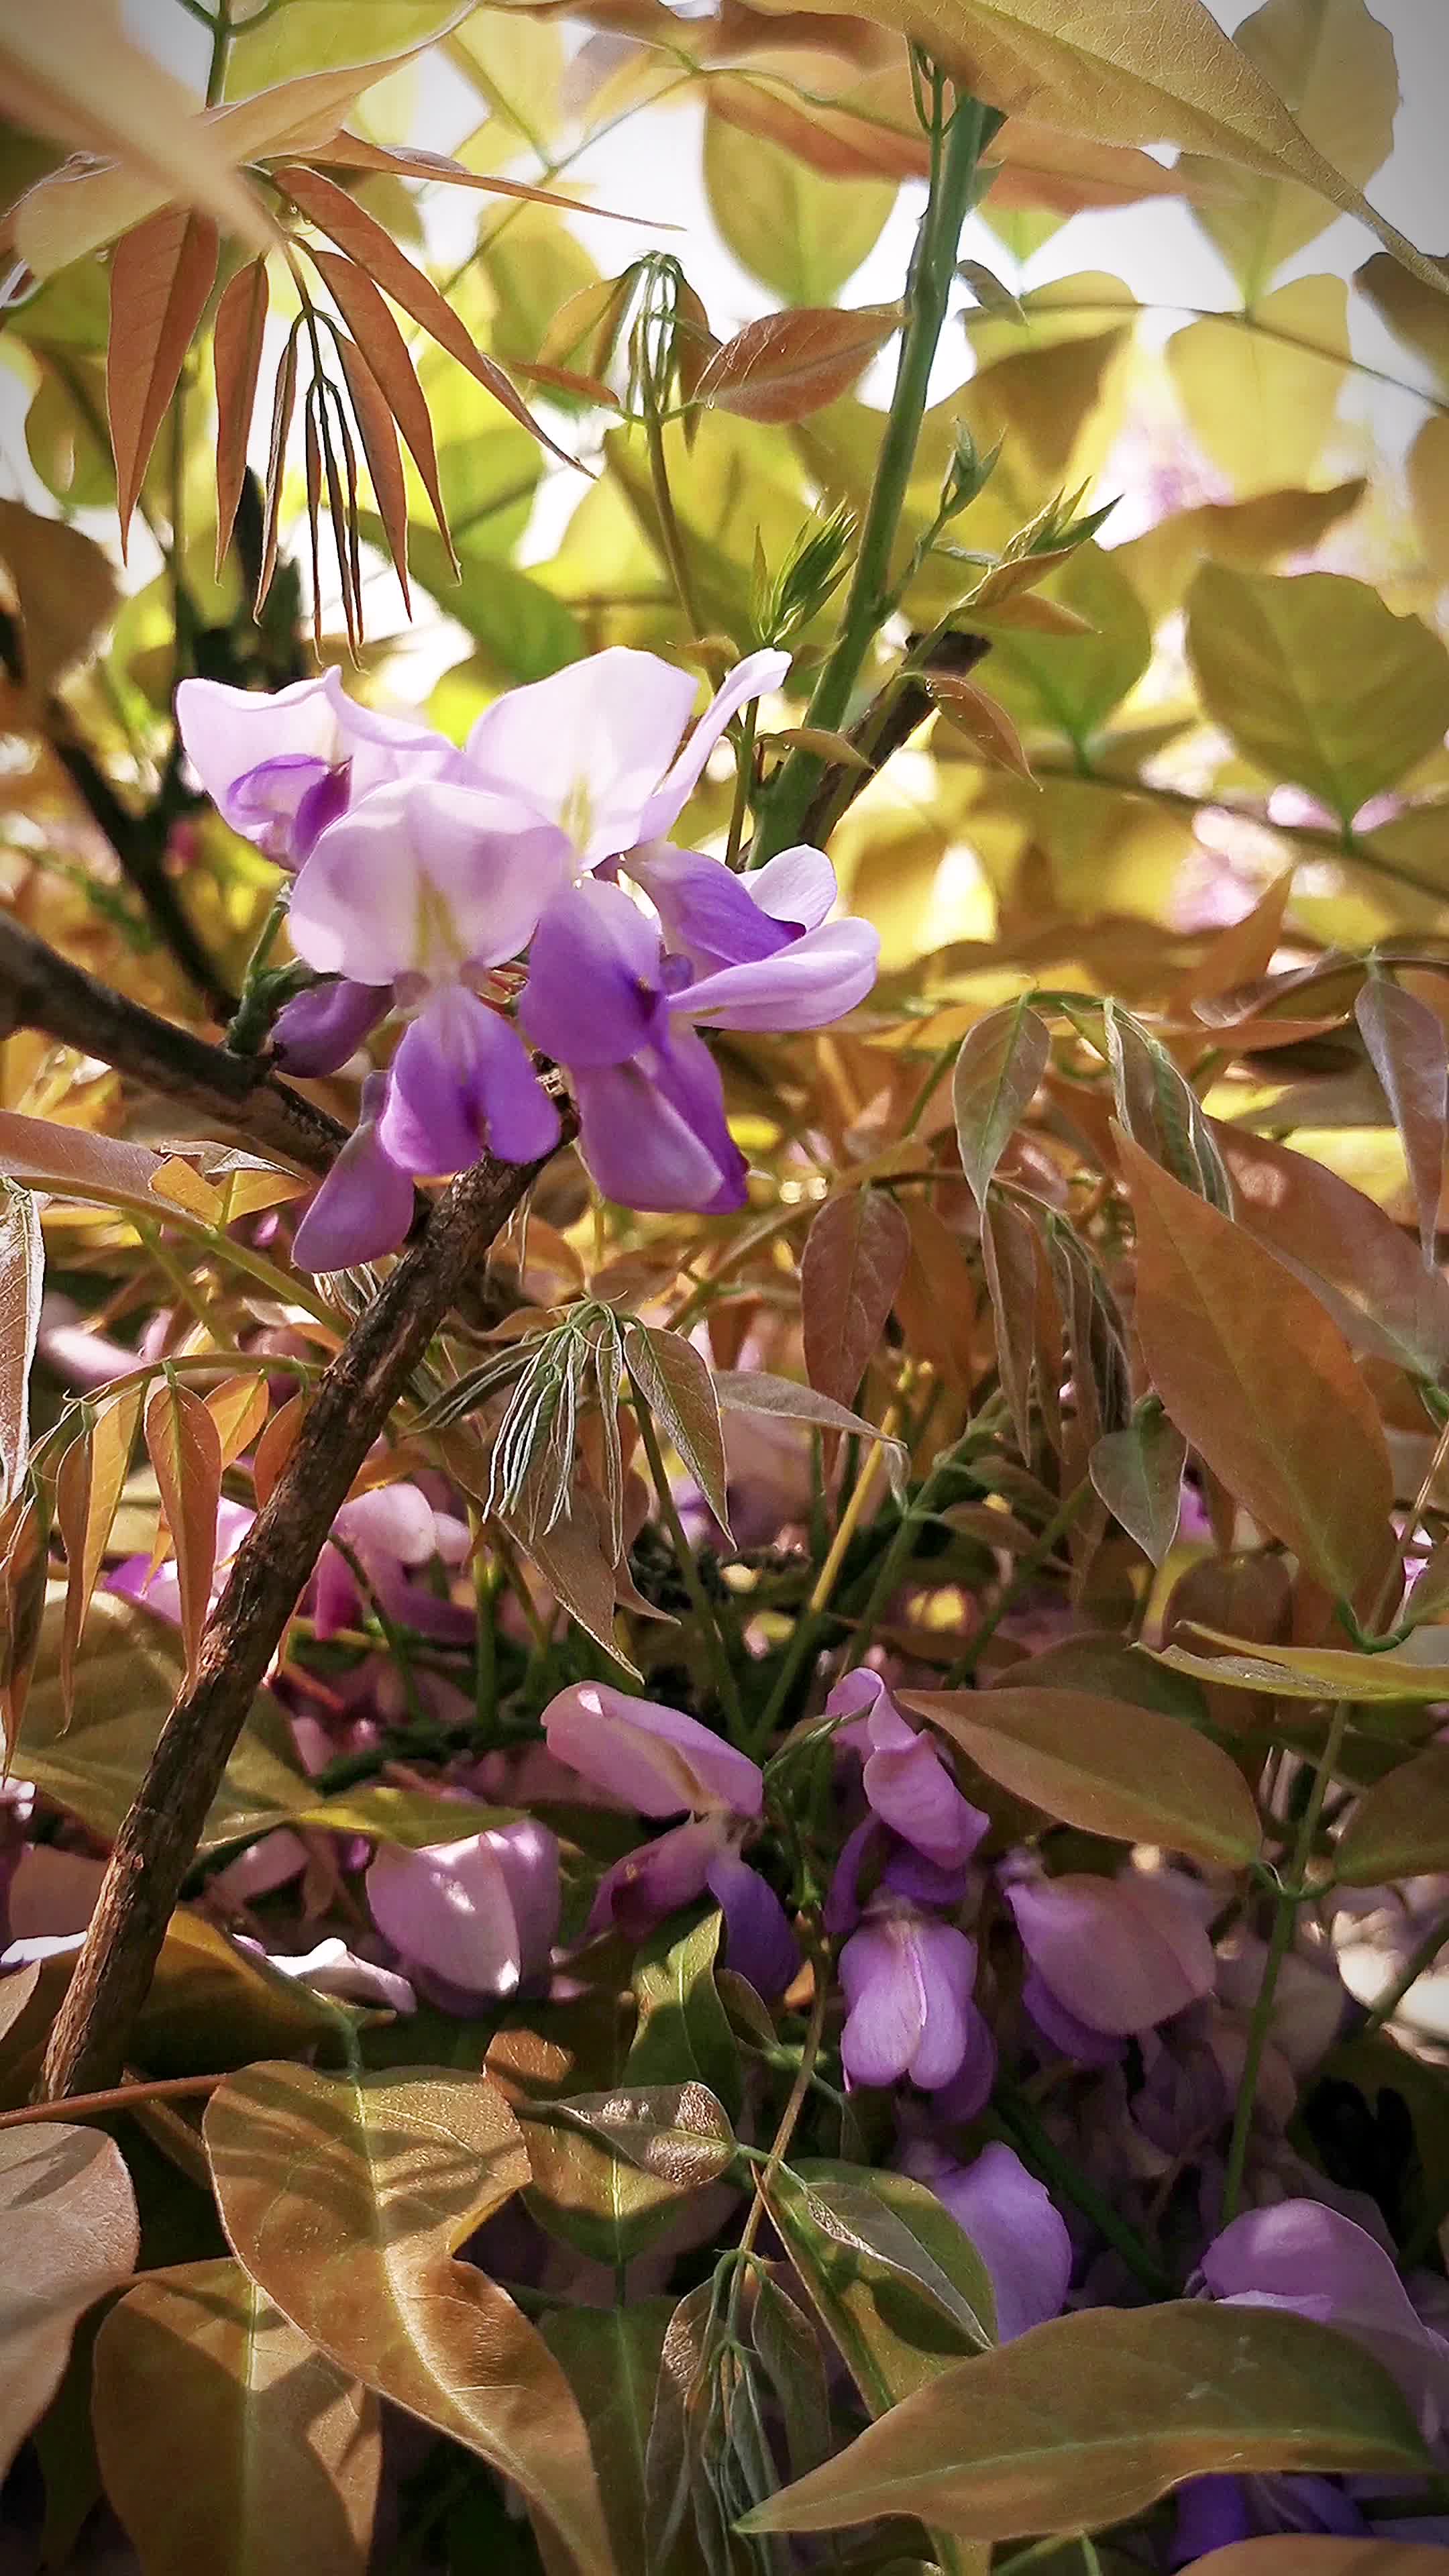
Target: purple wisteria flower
[
  {"x": 907, "y": 1979},
  {"x": 1014, "y": 2224},
  {"x": 1109, "y": 1957},
  {"x": 279, "y": 767},
  {"x": 662, "y": 1763},
  {"x": 474, "y": 1920}
]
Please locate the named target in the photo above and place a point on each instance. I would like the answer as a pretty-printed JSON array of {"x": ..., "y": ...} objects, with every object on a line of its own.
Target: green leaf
[
  {"x": 1319, "y": 1672},
  {"x": 610, "y": 2357},
  {"x": 1106, "y": 1765},
  {"x": 346, "y": 2197},
  {"x": 327, "y": 35},
  {"x": 620, "y": 2162},
  {"x": 283, "y": 2449},
  {"x": 996, "y": 1074},
  {"x": 1070, "y": 684},
  {"x": 523, "y": 632},
  {"x": 1317, "y": 681},
  {"x": 799, "y": 233},
  {"x": 1137, "y": 1473},
  {"x": 885, "y": 2309},
  {"x": 1089, "y": 2419},
  {"x": 684, "y": 2034}
]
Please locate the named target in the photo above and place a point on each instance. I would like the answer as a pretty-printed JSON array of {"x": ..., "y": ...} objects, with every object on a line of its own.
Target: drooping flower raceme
[{"x": 279, "y": 768}]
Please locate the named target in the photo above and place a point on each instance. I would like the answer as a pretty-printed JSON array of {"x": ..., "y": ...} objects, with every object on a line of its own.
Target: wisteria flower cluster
[{"x": 421, "y": 869}]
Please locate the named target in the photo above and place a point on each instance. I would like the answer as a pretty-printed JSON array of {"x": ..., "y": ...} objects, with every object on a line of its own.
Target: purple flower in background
[
  {"x": 279, "y": 767},
  {"x": 661, "y": 1763},
  {"x": 1308, "y": 2258},
  {"x": 365, "y": 1205},
  {"x": 393, "y": 1532},
  {"x": 907, "y": 1981},
  {"x": 1116, "y": 1955},
  {"x": 1014, "y": 2224},
  {"x": 593, "y": 748},
  {"x": 907, "y": 1785},
  {"x": 470, "y": 1920}
]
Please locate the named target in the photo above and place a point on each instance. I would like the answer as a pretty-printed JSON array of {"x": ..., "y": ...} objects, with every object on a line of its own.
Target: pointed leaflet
[
  {"x": 1137, "y": 1473},
  {"x": 185, "y": 1450},
  {"x": 364, "y": 241},
  {"x": 24, "y": 1558},
  {"x": 854, "y": 1261},
  {"x": 1166, "y": 74},
  {"x": 1009, "y": 1259},
  {"x": 997, "y": 1071},
  {"x": 1089, "y": 2419},
  {"x": 238, "y": 1407},
  {"x": 161, "y": 276},
  {"x": 788, "y": 364},
  {"x": 615, "y": 2166},
  {"x": 88, "y": 1489},
  {"x": 1400, "y": 1827},
  {"x": 1160, "y": 1110},
  {"x": 757, "y": 1391},
  {"x": 236, "y": 357},
  {"x": 895, "y": 2281},
  {"x": 346, "y": 2199},
  {"x": 68, "y": 2233},
  {"x": 684, "y": 2034},
  {"x": 610, "y": 2357},
  {"x": 1109, "y": 1766},
  {"x": 284, "y": 394},
  {"x": 377, "y": 428},
  {"x": 983, "y": 720},
  {"x": 1407, "y": 1049},
  {"x": 385, "y": 353},
  {"x": 282, "y": 2448},
  {"x": 1256, "y": 1374},
  {"x": 675, "y": 1382},
  {"x": 276, "y": 1446},
  {"x": 22, "y": 1278}
]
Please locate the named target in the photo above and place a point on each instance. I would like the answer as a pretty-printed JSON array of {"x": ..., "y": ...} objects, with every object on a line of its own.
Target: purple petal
[
  {"x": 1018, "y": 2232},
  {"x": 450, "y": 1910},
  {"x": 709, "y": 915},
  {"x": 798, "y": 888},
  {"x": 842, "y": 1904},
  {"x": 654, "y": 1135},
  {"x": 1212, "y": 2513},
  {"x": 1063, "y": 2034},
  {"x": 648, "y": 1885},
  {"x": 261, "y": 756},
  {"x": 318, "y": 1031},
  {"x": 969, "y": 2091},
  {"x": 749, "y": 679},
  {"x": 594, "y": 994},
  {"x": 424, "y": 877},
  {"x": 1122, "y": 1954},
  {"x": 651, "y": 1758},
  {"x": 812, "y": 981},
  {"x": 364, "y": 1206},
  {"x": 588, "y": 746},
  {"x": 463, "y": 1082},
  {"x": 907, "y": 1983},
  {"x": 760, "y": 1945},
  {"x": 912, "y": 1791},
  {"x": 1304, "y": 2256}
]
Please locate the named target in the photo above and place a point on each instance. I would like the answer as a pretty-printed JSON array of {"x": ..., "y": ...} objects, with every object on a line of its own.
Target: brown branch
[
  {"x": 41, "y": 990},
  {"x": 158, "y": 1839}
]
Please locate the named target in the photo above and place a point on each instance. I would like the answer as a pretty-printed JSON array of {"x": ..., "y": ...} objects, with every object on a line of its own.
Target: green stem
[
  {"x": 669, "y": 529},
  {"x": 252, "y": 1018},
  {"x": 955, "y": 152},
  {"x": 220, "y": 48},
  {"x": 1279, "y": 1941},
  {"x": 704, "y": 1609},
  {"x": 744, "y": 777}
]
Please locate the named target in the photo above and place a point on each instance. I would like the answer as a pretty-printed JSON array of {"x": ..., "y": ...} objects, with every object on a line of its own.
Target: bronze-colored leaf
[
  {"x": 161, "y": 276},
  {"x": 24, "y": 1560},
  {"x": 236, "y": 357},
  {"x": 854, "y": 1261},
  {"x": 284, "y": 395},
  {"x": 788, "y": 364},
  {"x": 68, "y": 2233},
  {"x": 346, "y": 2199},
  {"x": 364, "y": 241},
  {"x": 675, "y": 1382},
  {"x": 997, "y": 1071},
  {"x": 276, "y": 1446},
  {"x": 65, "y": 590},
  {"x": 1257, "y": 1375},
  {"x": 185, "y": 1450},
  {"x": 88, "y": 1488},
  {"x": 1137, "y": 1473},
  {"x": 1009, "y": 1260},
  {"x": 1304, "y": 2553},
  {"x": 283, "y": 2449},
  {"x": 1108, "y": 1766},
  {"x": 239, "y": 1409},
  {"x": 984, "y": 721},
  {"x": 22, "y": 1278},
  {"x": 1400, "y": 1827},
  {"x": 384, "y": 353},
  {"x": 1089, "y": 2419},
  {"x": 1408, "y": 1051}
]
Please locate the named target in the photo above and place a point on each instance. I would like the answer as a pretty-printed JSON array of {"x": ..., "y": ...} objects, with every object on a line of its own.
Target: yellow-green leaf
[
  {"x": 802, "y": 235},
  {"x": 1262, "y": 405}
]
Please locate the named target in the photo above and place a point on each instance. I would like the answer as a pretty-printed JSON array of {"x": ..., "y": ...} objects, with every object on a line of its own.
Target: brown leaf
[
  {"x": 384, "y": 351},
  {"x": 1406, "y": 1046},
  {"x": 350, "y": 152},
  {"x": 24, "y": 1558},
  {"x": 346, "y": 2199},
  {"x": 936, "y": 1300},
  {"x": 68, "y": 2233},
  {"x": 276, "y": 1446},
  {"x": 1137, "y": 1473},
  {"x": 1009, "y": 1259},
  {"x": 239, "y": 1409},
  {"x": 365, "y": 241},
  {"x": 88, "y": 1489},
  {"x": 1400, "y": 1827},
  {"x": 161, "y": 276},
  {"x": 675, "y": 1382},
  {"x": 185, "y": 1450},
  {"x": 1257, "y": 1375},
  {"x": 22, "y": 1278},
  {"x": 983, "y": 720},
  {"x": 1038, "y": 165},
  {"x": 1089, "y": 2419},
  {"x": 236, "y": 357},
  {"x": 64, "y": 588},
  {"x": 1313, "y": 2554},
  {"x": 788, "y": 364},
  {"x": 284, "y": 395},
  {"x": 284, "y": 2448},
  {"x": 1001, "y": 1062},
  {"x": 854, "y": 1261},
  {"x": 1108, "y": 1766}
]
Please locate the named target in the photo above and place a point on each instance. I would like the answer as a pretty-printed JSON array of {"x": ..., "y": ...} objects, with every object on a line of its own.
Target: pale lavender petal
[
  {"x": 1064, "y": 2035},
  {"x": 528, "y": 1856},
  {"x": 588, "y": 746},
  {"x": 842, "y": 1903},
  {"x": 708, "y": 914},
  {"x": 759, "y": 1944},
  {"x": 425, "y": 877},
  {"x": 1307, "y": 2257},
  {"x": 51, "y": 1893},
  {"x": 911, "y": 1790},
  {"x": 391, "y": 1520},
  {"x": 1018, "y": 2232},
  {"x": 885, "y": 2005},
  {"x": 650, "y": 1884},
  {"x": 969, "y": 2090},
  {"x": 449, "y": 1911},
  {"x": 365, "y": 1205},
  {"x": 333, "y": 1969},
  {"x": 319, "y": 1030},
  {"x": 654, "y": 1134},
  {"x": 1121, "y": 1954},
  {"x": 798, "y": 888},
  {"x": 948, "y": 1972},
  {"x": 749, "y": 679},
  {"x": 651, "y": 1758},
  {"x": 463, "y": 1082},
  {"x": 805, "y": 985},
  {"x": 263, "y": 1867},
  {"x": 227, "y": 734},
  {"x": 594, "y": 993},
  {"x": 283, "y": 803}
]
